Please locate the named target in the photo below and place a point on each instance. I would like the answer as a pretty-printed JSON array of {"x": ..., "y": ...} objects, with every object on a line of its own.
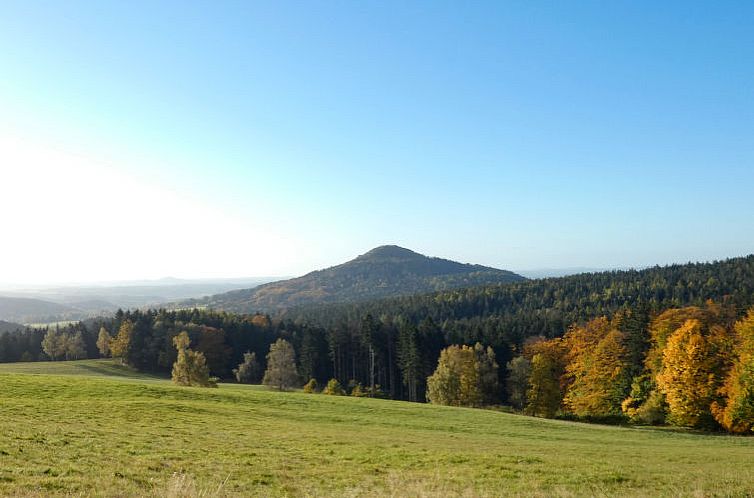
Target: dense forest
[
  {"x": 505, "y": 315},
  {"x": 395, "y": 343}
]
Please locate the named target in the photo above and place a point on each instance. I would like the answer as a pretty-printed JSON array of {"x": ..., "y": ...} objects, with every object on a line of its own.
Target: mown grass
[{"x": 81, "y": 429}]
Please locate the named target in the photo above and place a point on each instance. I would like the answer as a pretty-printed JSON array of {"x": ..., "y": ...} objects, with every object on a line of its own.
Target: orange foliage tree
[
  {"x": 693, "y": 368},
  {"x": 735, "y": 412}
]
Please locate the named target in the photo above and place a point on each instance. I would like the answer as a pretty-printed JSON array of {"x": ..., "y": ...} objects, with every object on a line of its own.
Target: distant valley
[{"x": 52, "y": 304}]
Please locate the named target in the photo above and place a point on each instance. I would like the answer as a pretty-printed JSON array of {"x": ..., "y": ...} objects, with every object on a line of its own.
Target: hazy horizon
[
  {"x": 216, "y": 140},
  {"x": 532, "y": 273}
]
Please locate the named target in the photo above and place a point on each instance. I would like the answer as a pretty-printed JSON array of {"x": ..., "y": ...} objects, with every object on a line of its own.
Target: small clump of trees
[
  {"x": 465, "y": 376},
  {"x": 59, "y": 345},
  {"x": 190, "y": 367}
]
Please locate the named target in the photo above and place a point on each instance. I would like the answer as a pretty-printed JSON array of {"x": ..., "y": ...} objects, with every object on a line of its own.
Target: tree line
[{"x": 691, "y": 367}]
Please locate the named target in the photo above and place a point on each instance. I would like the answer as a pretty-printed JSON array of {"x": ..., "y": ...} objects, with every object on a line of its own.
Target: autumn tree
[
  {"x": 53, "y": 344},
  {"x": 190, "y": 367},
  {"x": 735, "y": 412},
  {"x": 544, "y": 395},
  {"x": 519, "y": 370},
  {"x": 248, "y": 371},
  {"x": 333, "y": 388},
  {"x": 103, "y": 342},
  {"x": 693, "y": 372},
  {"x": 597, "y": 370},
  {"x": 465, "y": 376},
  {"x": 75, "y": 347},
  {"x": 281, "y": 366},
  {"x": 120, "y": 346},
  {"x": 311, "y": 386},
  {"x": 646, "y": 403}
]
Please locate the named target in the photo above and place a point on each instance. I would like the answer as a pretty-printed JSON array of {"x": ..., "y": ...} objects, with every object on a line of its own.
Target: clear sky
[{"x": 207, "y": 139}]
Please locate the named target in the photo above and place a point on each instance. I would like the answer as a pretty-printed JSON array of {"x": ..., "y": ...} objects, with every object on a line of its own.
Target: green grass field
[{"x": 94, "y": 428}]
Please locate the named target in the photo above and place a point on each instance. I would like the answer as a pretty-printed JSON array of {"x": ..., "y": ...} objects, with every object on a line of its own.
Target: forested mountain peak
[
  {"x": 385, "y": 271},
  {"x": 388, "y": 252}
]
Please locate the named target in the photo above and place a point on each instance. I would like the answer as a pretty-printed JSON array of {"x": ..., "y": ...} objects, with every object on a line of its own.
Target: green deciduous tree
[
  {"x": 75, "y": 347},
  {"x": 465, "y": 376},
  {"x": 103, "y": 342},
  {"x": 248, "y": 371},
  {"x": 53, "y": 344},
  {"x": 281, "y": 370}
]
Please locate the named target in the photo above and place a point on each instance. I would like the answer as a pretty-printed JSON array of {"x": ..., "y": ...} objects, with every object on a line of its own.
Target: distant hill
[
  {"x": 385, "y": 271},
  {"x": 9, "y": 326},
  {"x": 24, "y": 310}
]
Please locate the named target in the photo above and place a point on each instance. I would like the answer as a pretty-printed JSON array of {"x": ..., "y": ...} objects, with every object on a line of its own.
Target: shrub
[
  {"x": 311, "y": 386},
  {"x": 333, "y": 388},
  {"x": 358, "y": 391}
]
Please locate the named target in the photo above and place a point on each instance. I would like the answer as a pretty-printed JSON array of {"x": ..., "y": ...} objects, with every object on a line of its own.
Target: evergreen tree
[
  {"x": 488, "y": 374},
  {"x": 519, "y": 370},
  {"x": 409, "y": 359}
]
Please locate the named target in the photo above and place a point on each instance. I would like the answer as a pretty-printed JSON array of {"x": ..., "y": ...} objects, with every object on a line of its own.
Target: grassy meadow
[{"x": 95, "y": 428}]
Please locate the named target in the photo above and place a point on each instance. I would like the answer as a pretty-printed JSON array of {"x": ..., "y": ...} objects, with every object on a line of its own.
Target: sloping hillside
[
  {"x": 386, "y": 271},
  {"x": 242, "y": 440}
]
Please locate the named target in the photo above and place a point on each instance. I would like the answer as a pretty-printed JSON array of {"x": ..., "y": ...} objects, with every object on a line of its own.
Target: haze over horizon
[{"x": 269, "y": 139}]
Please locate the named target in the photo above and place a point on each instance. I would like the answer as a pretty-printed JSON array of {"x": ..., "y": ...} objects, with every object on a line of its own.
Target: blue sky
[{"x": 296, "y": 135}]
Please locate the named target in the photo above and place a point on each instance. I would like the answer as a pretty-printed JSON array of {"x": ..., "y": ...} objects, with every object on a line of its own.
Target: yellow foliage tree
[
  {"x": 457, "y": 380},
  {"x": 121, "y": 344},
  {"x": 598, "y": 370},
  {"x": 693, "y": 367},
  {"x": 545, "y": 392},
  {"x": 736, "y": 411},
  {"x": 190, "y": 367}
]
